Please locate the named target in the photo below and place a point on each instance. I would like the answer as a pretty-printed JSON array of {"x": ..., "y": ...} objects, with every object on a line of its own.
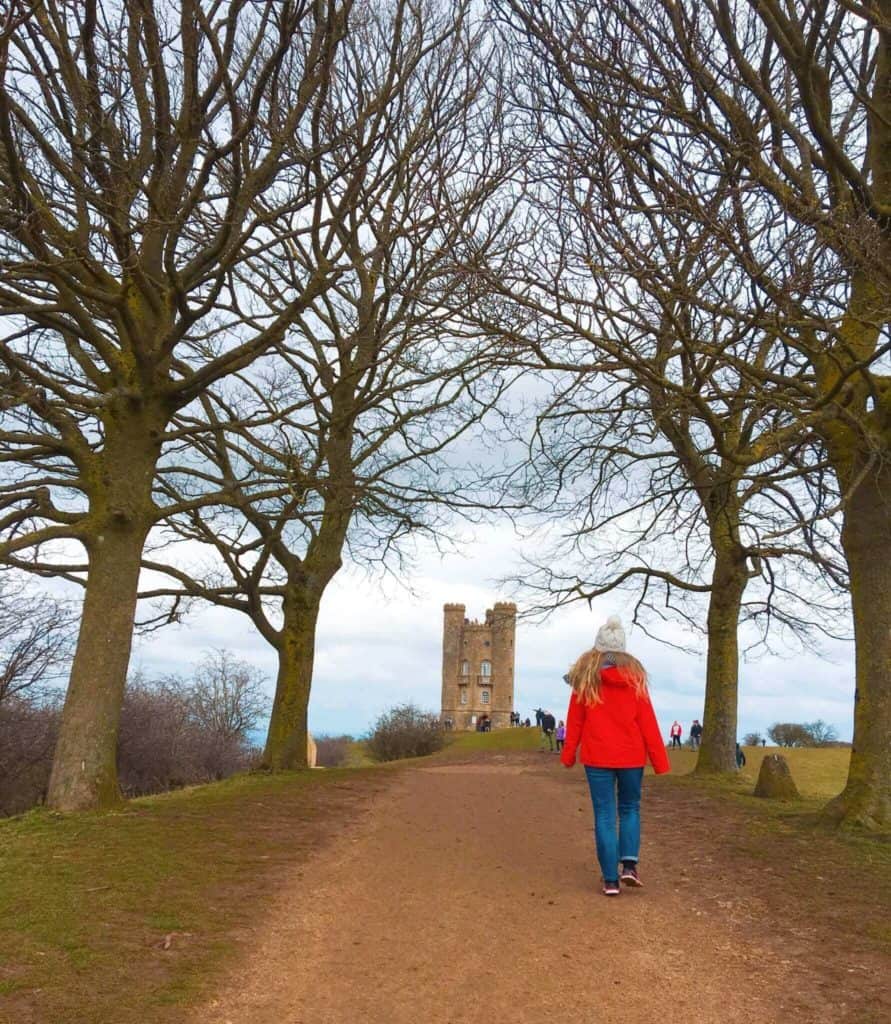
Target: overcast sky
[{"x": 380, "y": 645}]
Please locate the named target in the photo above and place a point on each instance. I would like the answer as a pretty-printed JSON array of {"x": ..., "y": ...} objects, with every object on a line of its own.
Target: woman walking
[{"x": 611, "y": 718}]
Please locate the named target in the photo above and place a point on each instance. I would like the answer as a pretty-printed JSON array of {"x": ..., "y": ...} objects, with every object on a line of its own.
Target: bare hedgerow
[
  {"x": 28, "y": 730},
  {"x": 177, "y": 732},
  {"x": 332, "y": 751},
  {"x": 174, "y": 732},
  {"x": 405, "y": 731}
]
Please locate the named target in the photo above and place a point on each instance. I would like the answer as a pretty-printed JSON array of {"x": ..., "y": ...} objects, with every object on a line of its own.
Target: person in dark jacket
[
  {"x": 740, "y": 757},
  {"x": 548, "y": 725},
  {"x": 611, "y": 725}
]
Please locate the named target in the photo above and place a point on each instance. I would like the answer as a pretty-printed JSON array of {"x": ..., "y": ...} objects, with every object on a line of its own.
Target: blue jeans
[{"x": 614, "y": 844}]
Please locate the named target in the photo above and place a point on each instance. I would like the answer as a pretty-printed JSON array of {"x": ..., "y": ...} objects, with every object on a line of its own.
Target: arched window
[
  {"x": 485, "y": 668},
  {"x": 465, "y": 668},
  {"x": 484, "y": 697}
]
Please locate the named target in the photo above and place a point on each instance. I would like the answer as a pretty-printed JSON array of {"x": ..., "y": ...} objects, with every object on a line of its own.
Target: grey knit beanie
[{"x": 610, "y": 636}]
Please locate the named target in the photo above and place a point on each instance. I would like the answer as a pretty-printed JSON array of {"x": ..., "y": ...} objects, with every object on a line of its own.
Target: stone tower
[{"x": 478, "y": 665}]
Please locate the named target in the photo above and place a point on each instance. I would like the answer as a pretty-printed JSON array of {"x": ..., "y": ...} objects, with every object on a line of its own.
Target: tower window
[
  {"x": 485, "y": 668},
  {"x": 465, "y": 668},
  {"x": 484, "y": 697},
  {"x": 464, "y": 696}
]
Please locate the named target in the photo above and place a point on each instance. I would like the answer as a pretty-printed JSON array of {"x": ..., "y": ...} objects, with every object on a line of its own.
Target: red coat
[{"x": 619, "y": 732}]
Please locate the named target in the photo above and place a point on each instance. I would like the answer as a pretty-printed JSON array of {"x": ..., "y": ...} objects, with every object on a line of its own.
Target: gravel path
[{"x": 468, "y": 893}]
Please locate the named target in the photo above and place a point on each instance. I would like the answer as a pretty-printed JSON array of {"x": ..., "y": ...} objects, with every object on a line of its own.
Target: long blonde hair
[{"x": 584, "y": 676}]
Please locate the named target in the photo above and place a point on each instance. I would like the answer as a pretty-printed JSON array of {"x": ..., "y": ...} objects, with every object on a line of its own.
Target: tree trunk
[
  {"x": 718, "y": 750},
  {"x": 286, "y": 739},
  {"x": 84, "y": 774},
  {"x": 866, "y": 538}
]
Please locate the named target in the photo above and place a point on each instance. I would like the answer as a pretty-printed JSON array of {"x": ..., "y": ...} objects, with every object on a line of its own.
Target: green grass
[
  {"x": 461, "y": 742},
  {"x": 499, "y": 739},
  {"x": 819, "y": 772},
  {"x": 86, "y": 901}
]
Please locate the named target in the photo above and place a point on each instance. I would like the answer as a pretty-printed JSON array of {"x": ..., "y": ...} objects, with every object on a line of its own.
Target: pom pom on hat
[{"x": 610, "y": 636}]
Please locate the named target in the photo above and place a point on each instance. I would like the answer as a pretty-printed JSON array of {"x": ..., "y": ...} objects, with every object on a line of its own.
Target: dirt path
[{"x": 468, "y": 893}]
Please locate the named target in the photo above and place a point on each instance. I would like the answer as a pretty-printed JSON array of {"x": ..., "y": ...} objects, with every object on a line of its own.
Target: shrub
[
  {"x": 35, "y": 647},
  {"x": 405, "y": 731},
  {"x": 28, "y": 730},
  {"x": 176, "y": 733},
  {"x": 163, "y": 744},
  {"x": 752, "y": 739},
  {"x": 332, "y": 751}
]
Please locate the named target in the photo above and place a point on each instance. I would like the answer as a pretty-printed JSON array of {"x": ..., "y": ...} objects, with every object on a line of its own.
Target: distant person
[
  {"x": 763, "y": 742},
  {"x": 539, "y": 714},
  {"x": 676, "y": 732},
  {"x": 740, "y": 757},
  {"x": 695, "y": 734},
  {"x": 528, "y": 723},
  {"x": 560, "y": 735},
  {"x": 612, "y": 720},
  {"x": 548, "y": 727}
]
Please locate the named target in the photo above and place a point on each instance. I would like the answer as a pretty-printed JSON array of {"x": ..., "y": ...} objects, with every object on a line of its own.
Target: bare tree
[
  {"x": 337, "y": 446},
  {"x": 822, "y": 733},
  {"x": 226, "y": 696},
  {"x": 790, "y": 734},
  {"x": 792, "y": 101},
  {"x": 671, "y": 476},
  {"x": 136, "y": 142},
  {"x": 36, "y": 639}
]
